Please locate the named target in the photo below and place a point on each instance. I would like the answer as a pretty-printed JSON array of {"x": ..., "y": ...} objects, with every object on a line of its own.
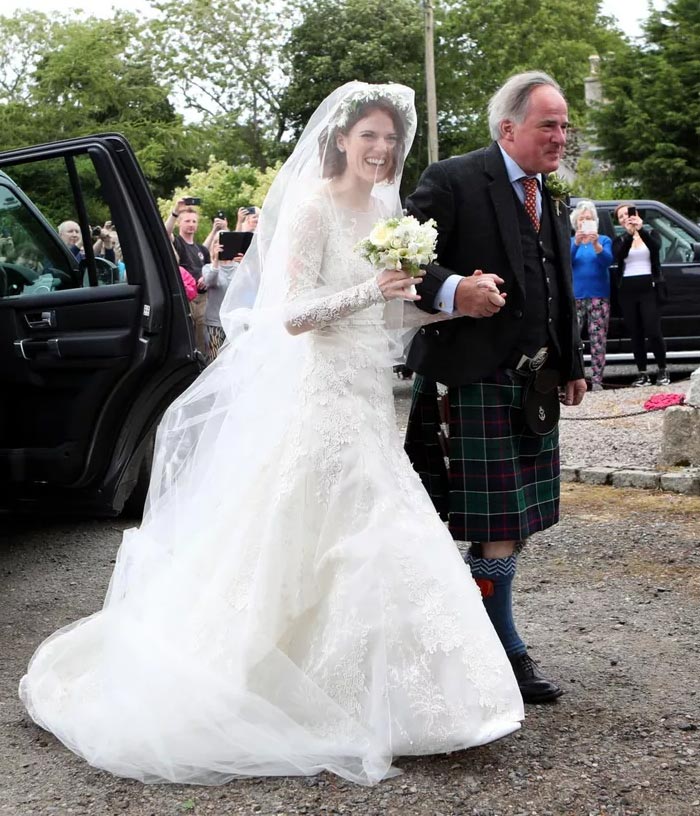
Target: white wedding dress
[{"x": 297, "y": 606}]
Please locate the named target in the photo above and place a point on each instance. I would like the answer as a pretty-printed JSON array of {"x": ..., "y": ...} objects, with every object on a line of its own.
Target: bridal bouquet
[{"x": 400, "y": 243}]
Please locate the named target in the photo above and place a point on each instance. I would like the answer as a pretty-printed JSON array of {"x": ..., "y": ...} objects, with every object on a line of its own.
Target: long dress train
[{"x": 296, "y": 605}]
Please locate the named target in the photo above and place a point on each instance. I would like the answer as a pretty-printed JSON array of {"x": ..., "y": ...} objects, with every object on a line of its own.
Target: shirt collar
[{"x": 515, "y": 172}]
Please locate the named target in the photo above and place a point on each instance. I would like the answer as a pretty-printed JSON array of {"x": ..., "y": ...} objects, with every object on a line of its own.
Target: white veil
[{"x": 243, "y": 400}]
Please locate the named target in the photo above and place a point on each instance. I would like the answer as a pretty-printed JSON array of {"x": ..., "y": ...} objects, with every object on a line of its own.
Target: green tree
[
  {"x": 223, "y": 58},
  {"x": 596, "y": 181},
  {"x": 648, "y": 126},
  {"x": 222, "y": 187},
  {"x": 337, "y": 41},
  {"x": 482, "y": 42},
  {"x": 24, "y": 39},
  {"x": 89, "y": 77}
]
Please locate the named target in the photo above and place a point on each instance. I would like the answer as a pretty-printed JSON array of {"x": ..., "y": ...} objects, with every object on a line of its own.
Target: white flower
[
  {"x": 381, "y": 235},
  {"x": 398, "y": 243}
]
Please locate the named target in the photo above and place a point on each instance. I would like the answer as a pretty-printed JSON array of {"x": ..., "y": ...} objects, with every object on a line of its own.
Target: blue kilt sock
[{"x": 494, "y": 577}]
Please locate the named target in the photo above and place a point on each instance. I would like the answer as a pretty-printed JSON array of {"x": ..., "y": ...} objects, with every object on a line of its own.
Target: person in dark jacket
[
  {"x": 505, "y": 268},
  {"x": 638, "y": 279}
]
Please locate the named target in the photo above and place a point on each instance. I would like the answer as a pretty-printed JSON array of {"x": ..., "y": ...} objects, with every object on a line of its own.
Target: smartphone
[
  {"x": 631, "y": 210},
  {"x": 191, "y": 201},
  {"x": 588, "y": 225},
  {"x": 233, "y": 243}
]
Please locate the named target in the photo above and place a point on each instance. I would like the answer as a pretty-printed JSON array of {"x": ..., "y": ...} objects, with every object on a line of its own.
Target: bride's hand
[{"x": 395, "y": 283}]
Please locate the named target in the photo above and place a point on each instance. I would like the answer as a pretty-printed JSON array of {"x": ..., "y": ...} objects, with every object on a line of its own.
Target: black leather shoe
[{"x": 533, "y": 685}]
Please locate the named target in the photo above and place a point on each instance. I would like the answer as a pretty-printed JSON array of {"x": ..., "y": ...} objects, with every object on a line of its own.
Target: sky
[{"x": 629, "y": 13}]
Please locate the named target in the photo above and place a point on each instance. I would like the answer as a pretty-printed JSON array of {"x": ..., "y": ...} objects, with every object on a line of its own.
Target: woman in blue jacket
[{"x": 591, "y": 256}]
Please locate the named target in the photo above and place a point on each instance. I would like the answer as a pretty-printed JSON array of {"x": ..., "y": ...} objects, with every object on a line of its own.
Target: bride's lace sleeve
[{"x": 307, "y": 308}]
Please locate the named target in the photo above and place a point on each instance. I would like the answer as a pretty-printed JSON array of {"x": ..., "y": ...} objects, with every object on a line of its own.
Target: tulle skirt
[{"x": 299, "y": 608}]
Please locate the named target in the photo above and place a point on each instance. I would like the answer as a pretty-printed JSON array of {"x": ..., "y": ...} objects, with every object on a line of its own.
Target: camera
[
  {"x": 192, "y": 201},
  {"x": 97, "y": 232},
  {"x": 220, "y": 214},
  {"x": 588, "y": 226}
]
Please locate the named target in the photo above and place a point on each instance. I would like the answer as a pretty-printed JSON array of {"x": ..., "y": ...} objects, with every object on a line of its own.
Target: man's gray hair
[{"x": 511, "y": 100}]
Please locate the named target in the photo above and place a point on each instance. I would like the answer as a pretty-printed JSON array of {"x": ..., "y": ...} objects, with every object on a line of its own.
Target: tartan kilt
[{"x": 492, "y": 479}]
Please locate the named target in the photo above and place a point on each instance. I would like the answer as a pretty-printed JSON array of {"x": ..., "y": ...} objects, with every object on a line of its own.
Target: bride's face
[{"x": 370, "y": 147}]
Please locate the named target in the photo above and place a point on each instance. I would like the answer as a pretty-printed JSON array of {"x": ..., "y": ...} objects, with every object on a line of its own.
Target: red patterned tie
[{"x": 530, "y": 187}]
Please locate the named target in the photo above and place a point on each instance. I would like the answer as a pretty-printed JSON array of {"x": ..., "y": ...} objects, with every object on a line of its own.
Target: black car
[
  {"x": 680, "y": 262},
  {"x": 92, "y": 350}
]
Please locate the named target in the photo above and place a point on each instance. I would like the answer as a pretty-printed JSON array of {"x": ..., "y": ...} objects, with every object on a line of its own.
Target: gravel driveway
[{"x": 608, "y": 601}]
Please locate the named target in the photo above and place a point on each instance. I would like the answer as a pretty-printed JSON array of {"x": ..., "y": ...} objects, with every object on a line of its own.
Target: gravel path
[
  {"x": 625, "y": 442},
  {"x": 608, "y": 600}
]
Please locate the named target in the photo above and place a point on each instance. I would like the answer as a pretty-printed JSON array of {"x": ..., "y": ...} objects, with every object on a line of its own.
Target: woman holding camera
[
  {"x": 639, "y": 280},
  {"x": 591, "y": 256}
]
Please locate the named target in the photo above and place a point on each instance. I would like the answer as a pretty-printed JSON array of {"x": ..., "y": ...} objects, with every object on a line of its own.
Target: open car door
[{"x": 94, "y": 343}]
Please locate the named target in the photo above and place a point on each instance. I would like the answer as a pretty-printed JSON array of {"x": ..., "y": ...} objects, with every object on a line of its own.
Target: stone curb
[{"x": 685, "y": 481}]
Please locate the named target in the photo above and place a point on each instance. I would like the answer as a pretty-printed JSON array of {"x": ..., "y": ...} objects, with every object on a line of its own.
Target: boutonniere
[{"x": 559, "y": 189}]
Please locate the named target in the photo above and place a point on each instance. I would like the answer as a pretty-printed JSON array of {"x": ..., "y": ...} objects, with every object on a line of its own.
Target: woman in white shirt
[{"x": 636, "y": 254}]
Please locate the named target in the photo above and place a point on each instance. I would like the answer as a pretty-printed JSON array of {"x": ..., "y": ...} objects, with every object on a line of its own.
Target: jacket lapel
[
  {"x": 561, "y": 233},
  {"x": 501, "y": 192}
]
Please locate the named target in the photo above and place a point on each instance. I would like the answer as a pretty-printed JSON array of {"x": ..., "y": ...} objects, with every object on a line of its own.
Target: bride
[{"x": 291, "y": 602}]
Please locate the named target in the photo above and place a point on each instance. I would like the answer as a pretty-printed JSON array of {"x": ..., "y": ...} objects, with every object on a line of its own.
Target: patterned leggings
[
  {"x": 594, "y": 313},
  {"x": 215, "y": 339}
]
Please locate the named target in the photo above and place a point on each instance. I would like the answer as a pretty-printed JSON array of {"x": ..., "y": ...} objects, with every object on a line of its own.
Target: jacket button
[
  {"x": 517, "y": 314},
  {"x": 437, "y": 332},
  {"x": 422, "y": 331}
]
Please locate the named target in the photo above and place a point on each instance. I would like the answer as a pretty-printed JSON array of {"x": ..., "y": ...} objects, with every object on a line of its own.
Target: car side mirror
[
  {"x": 107, "y": 272},
  {"x": 696, "y": 251}
]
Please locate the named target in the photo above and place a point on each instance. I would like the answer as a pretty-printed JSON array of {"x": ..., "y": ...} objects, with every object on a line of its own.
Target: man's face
[
  {"x": 188, "y": 224},
  {"x": 70, "y": 233},
  {"x": 537, "y": 143}
]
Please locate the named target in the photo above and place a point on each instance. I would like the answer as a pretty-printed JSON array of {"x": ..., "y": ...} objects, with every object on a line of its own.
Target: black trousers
[{"x": 643, "y": 319}]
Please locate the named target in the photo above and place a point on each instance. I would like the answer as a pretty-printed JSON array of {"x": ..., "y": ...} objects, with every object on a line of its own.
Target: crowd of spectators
[{"x": 205, "y": 275}]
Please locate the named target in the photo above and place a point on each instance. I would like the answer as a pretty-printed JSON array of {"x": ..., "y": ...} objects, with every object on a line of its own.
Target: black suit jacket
[{"x": 471, "y": 199}]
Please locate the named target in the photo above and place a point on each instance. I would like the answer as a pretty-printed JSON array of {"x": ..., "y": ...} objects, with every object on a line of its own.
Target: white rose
[{"x": 381, "y": 235}]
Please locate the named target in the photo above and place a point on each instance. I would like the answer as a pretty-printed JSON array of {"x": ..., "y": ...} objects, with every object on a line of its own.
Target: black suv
[
  {"x": 92, "y": 351},
  {"x": 680, "y": 261}
]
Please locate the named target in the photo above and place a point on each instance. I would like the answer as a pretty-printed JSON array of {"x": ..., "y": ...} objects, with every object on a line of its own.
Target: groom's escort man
[{"x": 504, "y": 265}]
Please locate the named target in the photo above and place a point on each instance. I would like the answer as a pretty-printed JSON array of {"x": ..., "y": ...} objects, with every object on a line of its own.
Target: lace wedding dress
[
  {"x": 322, "y": 618},
  {"x": 291, "y": 602}
]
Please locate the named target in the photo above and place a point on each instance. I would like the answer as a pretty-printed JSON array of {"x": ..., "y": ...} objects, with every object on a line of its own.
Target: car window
[
  {"x": 30, "y": 259},
  {"x": 42, "y": 233},
  {"x": 676, "y": 243}
]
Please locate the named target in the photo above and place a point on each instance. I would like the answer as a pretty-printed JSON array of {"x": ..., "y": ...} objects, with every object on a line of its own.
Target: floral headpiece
[{"x": 371, "y": 93}]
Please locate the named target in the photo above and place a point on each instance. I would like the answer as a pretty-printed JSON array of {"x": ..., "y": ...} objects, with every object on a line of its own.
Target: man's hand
[
  {"x": 201, "y": 285},
  {"x": 573, "y": 392},
  {"x": 478, "y": 295}
]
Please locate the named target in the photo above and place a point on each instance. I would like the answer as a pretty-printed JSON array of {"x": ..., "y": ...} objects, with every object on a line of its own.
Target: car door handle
[
  {"x": 43, "y": 320},
  {"x": 28, "y": 349}
]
